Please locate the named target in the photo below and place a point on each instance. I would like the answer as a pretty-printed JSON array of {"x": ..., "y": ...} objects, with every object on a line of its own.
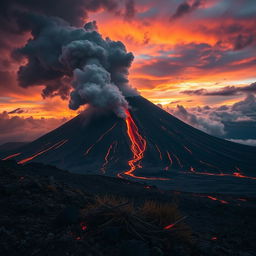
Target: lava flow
[
  {"x": 55, "y": 146},
  {"x": 160, "y": 153},
  {"x": 99, "y": 139},
  {"x": 138, "y": 147},
  {"x": 106, "y": 158},
  {"x": 234, "y": 174},
  {"x": 11, "y": 156},
  {"x": 170, "y": 159}
]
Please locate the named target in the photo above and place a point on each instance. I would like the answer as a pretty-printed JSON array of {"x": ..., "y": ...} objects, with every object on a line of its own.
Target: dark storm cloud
[
  {"x": 196, "y": 57},
  {"x": 243, "y": 41},
  {"x": 238, "y": 34},
  {"x": 185, "y": 8},
  {"x": 59, "y": 53},
  {"x": 51, "y": 25},
  {"x": 226, "y": 91},
  {"x": 72, "y": 11},
  {"x": 129, "y": 9}
]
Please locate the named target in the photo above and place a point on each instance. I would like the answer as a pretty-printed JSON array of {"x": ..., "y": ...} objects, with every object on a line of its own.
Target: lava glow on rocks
[
  {"x": 99, "y": 139},
  {"x": 138, "y": 147},
  {"x": 11, "y": 156},
  {"x": 106, "y": 158}
]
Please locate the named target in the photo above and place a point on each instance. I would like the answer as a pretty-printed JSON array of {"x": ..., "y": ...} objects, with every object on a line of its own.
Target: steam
[{"x": 64, "y": 58}]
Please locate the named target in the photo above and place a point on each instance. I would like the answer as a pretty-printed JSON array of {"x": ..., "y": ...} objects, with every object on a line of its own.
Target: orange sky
[{"x": 208, "y": 47}]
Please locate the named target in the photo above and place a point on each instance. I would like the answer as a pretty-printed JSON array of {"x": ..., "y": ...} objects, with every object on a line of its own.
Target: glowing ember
[
  {"x": 103, "y": 168},
  {"x": 56, "y": 145},
  {"x": 138, "y": 147},
  {"x": 83, "y": 226},
  {"x": 216, "y": 199},
  {"x": 192, "y": 169},
  {"x": 175, "y": 223},
  {"x": 11, "y": 156},
  {"x": 214, "y": 238},
  {"x": 170, "y": 159},
  {"x": 169, "y": 226},
  {"x": 160, "y": 153},
  {"x": 99, "y": 139}
]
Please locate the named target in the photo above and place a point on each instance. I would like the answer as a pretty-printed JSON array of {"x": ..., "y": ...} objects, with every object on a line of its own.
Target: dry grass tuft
[
  {"x": 147, "y": 221},
  {"x": 163, "y": 213}
]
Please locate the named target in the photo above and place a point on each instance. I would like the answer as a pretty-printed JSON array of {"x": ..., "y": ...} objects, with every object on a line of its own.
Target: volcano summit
[{"x": 150, "y": 145}]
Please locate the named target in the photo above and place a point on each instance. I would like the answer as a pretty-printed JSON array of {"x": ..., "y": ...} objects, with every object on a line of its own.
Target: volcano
[{"x": 150, "y": 144}]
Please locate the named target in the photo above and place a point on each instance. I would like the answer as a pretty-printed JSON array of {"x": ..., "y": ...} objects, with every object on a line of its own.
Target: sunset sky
[{"x": 197, "y": 58}]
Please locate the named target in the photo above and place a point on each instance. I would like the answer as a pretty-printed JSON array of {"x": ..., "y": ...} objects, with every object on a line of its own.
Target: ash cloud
[
  {"x": 185, "y": 8},
  {"x": 57, "y": 37},
  {"x": 64, "y": 58}
]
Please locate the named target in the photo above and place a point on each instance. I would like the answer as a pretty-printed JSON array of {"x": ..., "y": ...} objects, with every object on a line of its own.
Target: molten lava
[
  {"x": 55, "y": 146},
  {"x": 216, "y": 199},
  {"x": 138, "y": 147},
  {"x": 170, "y": 159},
  {"x": 169, "y": 226},
  {"x": 11, "y": 156},
  {"x": 160, "y": 153},
  {"x": 234, "y": 174},
  {"x": 100, "y": 138},
  {"x": 106, "y": 158}
]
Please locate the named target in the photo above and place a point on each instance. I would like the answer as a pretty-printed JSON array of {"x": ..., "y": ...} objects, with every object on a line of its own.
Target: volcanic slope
[{"x": 149, "y": 145}]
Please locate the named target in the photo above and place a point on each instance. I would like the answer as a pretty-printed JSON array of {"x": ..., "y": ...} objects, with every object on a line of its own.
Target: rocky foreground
[{"x": 47, "y": 211}]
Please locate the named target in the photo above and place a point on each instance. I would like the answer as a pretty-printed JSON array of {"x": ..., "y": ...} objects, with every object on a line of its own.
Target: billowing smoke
[{"x": 64, "y": 58}]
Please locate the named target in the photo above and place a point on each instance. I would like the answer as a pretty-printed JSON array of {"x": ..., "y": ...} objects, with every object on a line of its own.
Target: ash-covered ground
[{"x": 40, "y": 214}]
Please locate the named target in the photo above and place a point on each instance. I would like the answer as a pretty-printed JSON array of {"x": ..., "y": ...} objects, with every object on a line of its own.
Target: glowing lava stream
[
  {"x": 234, "y": 174},
  {"x": 11, "y": 156},
  {"x": 103, "y": 168},
  {"x": 160, "y": 153},
  {"x": 55, "y": 146},
  {"x": 138, "y": 147},
  {"x": 170, "y": 159},
  {"x": 99, "y": 139}
]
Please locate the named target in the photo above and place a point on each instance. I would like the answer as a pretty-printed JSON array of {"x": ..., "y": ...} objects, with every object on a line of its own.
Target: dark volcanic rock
[
  {"x": 134, "y": 248},
  {"x": 69, "y": 215},
  {"x": 31, "y": 201}
]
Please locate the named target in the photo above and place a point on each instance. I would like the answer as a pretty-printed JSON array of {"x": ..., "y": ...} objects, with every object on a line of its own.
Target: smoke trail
[{"x": 64, "y": 58}]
